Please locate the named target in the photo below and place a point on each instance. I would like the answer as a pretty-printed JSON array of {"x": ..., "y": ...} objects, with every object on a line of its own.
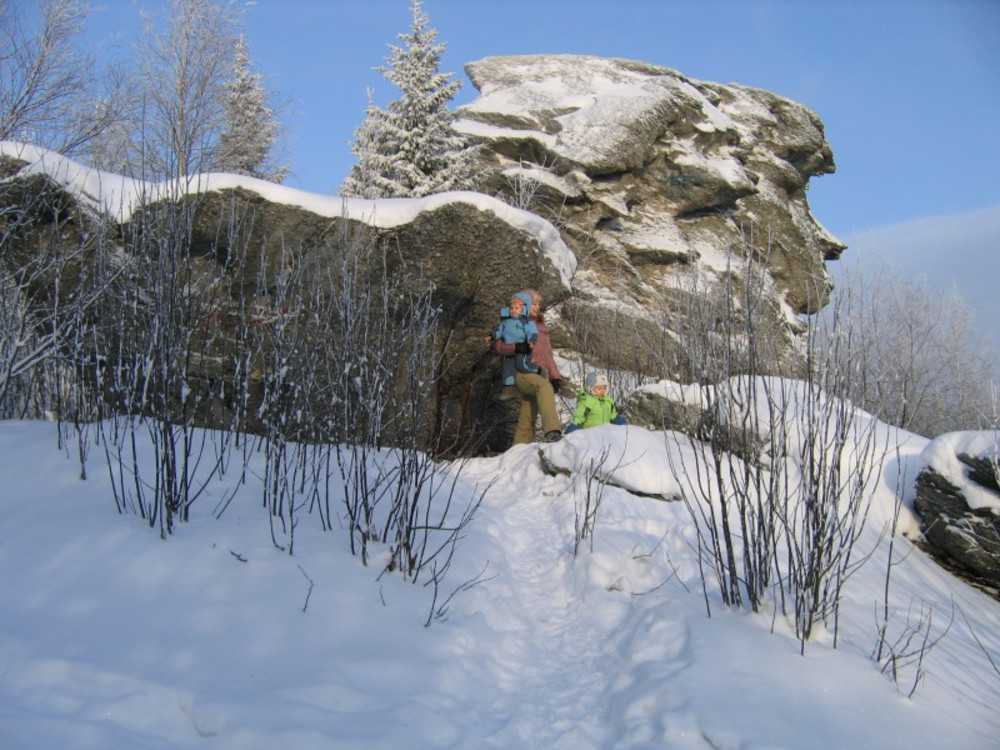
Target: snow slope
[{"x": 113, "y": 638}]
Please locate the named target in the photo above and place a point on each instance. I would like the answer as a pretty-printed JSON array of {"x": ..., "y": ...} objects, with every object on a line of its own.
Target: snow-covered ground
[{"x": 112, "y": 638}]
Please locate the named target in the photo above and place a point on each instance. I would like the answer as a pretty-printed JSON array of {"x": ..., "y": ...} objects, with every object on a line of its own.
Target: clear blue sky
[{"x": 909, "y": 90}]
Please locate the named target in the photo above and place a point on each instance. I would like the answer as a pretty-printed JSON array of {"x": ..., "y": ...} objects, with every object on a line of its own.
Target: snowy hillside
[{"x": 112, "y": 638}]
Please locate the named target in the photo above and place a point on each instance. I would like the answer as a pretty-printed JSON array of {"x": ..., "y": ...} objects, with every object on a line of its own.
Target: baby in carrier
[{"x": 517, "y": 328}]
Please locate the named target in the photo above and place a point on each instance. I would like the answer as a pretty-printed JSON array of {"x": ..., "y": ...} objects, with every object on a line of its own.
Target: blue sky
[{"x": 909, "y": 90}]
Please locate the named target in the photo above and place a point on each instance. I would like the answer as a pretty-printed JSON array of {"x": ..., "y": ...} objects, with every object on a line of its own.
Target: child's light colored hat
[{"x": 595, "y": 379}]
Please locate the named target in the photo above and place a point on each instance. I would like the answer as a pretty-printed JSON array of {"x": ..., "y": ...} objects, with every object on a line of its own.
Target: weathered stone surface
[
  {"x": 692, "y": 410},
  {"x": 39, "y": 219},
  {"x": 969, "y": 539},
  {"x": 664, "y": 177},
  {"x": 10, "y": 166},
  {"x": 655, "y": 411},
  {"x": 463, "y": 250}
]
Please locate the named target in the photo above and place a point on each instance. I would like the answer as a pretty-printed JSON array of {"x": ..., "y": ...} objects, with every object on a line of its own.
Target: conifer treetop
[
  {"x": 250, "y": 125},
  {"x": 409, "y": 148}
]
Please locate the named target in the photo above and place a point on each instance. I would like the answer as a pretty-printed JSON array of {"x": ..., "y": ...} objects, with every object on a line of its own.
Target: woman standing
[{"x": 536, "y": 390}]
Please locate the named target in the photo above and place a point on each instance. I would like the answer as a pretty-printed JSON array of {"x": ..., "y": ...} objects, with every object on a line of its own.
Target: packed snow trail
[
  {"x": 613, "y": 648},
  {"x": 566, "y": 660},
  {"x": 547, "y": 657}
]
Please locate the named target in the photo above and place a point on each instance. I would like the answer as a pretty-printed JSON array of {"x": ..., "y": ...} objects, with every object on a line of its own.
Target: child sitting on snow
[
  {"x": 594, "y": 406},
  {"x": 518, "y": 329}
]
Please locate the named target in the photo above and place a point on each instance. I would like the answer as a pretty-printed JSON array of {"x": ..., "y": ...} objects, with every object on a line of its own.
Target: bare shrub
[
  {"x": 319, "y": 364},
  {"x": 901, "y": 658},
  {"x": 55, "y": 264},
  {"x": 155, "y": 346},
  {"x": 588, "y": 497},
  {"x": 779, "y": 488}
]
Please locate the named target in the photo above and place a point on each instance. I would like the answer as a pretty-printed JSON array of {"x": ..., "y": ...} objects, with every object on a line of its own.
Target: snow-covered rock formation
[
  {"x": 474, "y": 249},
  {"x": 641, "y": 186},
  {"x": 656, "y": 179},
  {"x": 958, "y": 499}
]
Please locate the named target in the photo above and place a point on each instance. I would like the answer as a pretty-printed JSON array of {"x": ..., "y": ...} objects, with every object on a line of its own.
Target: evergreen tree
[
  {"x": 250, "y": 129},
  {"x": 374, "y": 174},
  {"x": 410, "y": 148}
]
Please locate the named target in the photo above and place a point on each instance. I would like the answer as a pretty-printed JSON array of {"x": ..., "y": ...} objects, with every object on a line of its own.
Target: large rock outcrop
[
  {"x": 659, "y": 182},
  {"x": 666, "y": 406},
  {"x": 643, "y": 190},
  {"x": 440, "y": 240}
]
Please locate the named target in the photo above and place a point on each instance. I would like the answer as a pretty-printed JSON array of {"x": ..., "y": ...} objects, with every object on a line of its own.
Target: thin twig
[{"x": 305, "y": 606}]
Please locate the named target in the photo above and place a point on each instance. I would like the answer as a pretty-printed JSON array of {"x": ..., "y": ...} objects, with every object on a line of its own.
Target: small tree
[
  {"x": 183, "y": 70},
  {"x": 375, "y": 159},
  {"x": 250, "y": 127},
  {"x": 111, "y": 150},
  {"x": 410, "y": 149}
]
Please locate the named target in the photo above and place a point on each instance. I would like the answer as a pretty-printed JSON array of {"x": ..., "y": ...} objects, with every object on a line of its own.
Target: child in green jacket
[{"x": 594, "y": 406}]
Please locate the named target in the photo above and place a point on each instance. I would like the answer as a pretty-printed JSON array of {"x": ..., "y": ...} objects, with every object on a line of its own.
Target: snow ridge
[{"x": 119, "y": 197}]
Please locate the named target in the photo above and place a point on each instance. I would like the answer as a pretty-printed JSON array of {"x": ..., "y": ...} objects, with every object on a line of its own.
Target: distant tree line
[{"x": 190, "y": 101}]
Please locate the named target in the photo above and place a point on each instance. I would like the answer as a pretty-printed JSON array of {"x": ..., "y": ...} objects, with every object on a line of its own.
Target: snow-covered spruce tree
[
  {"x": 250, "y": 128},
  {"x": 410, "y": 148},
  {"x": 367, "y": 178}
]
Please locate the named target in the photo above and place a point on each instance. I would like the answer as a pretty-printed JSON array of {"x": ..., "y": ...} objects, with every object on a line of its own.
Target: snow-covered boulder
[
  {"x": 700, "y": 411},
  {"x": 958, "y": 499},
  {"x": 474, "y": 249},
  {"x": 656, "y": 179},
  {"x": 633, "y": 458},
  {"x": 666, "y": 405}
]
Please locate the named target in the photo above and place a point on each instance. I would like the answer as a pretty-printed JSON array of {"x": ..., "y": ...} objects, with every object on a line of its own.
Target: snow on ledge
[
  {"x": 631, "y": 457},
  {"x": 119, "y": 197},
  {"x": 691, "y": 394},
  {"x": 941, "y": 455}
]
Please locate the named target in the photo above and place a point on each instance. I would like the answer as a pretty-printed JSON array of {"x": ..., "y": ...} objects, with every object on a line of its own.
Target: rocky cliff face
[{"x": 658, "y": 181}]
